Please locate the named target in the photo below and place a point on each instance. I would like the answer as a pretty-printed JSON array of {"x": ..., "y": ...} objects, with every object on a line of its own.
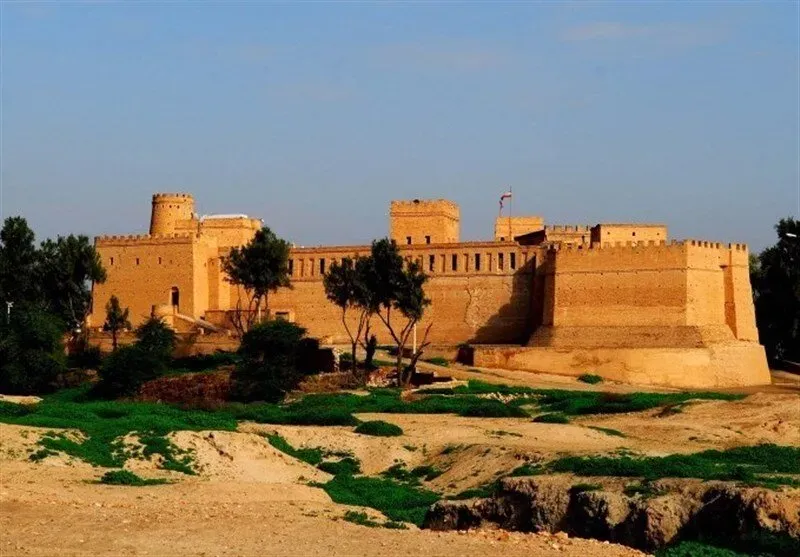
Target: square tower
[{"x": 424, "y": 221}]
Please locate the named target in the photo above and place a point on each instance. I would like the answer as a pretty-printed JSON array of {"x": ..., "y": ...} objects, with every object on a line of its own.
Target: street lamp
[{"x": 9, "y": 305}]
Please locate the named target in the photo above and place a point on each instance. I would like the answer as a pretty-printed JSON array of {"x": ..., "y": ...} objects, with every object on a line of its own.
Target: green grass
[
  {"x": 607, "y": 431},
  {"x": 347, "y": 466},
  {"x": 527, "y": 469},
  {"x": 644, "y": 489},
  {"x": 590, "y": 378},
  {"x": 41, "y": 454},
  {"x": 552, "y": 418},
  {"x": 360, "y": 518},
  {"x": 398, "y": 501},
  {"x": 379, "y": 428},
  {"x": 310, "y": 456},
  {"x": 481, "y": 492},
  {"x": 400, "y": 473},
  {"x": 746, "y": 464},
  {"x": 124, "y": 477},
  {"x": 584, "y": 487},
  {"x": 438, "y": 361},
  {"x": 696, "y": 549}
]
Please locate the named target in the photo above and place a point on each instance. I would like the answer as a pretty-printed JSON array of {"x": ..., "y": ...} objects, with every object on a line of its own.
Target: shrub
[
  {"x": 400, "y": 473},
  {"x": 31, "y": 351},
  {"x": 124, "y": 477},
  {"x": 347, "y": 466},
  {"x": 204, "y": 362},
  {"x": 696, "y": 549},
  {"x": 360, "y": 518},
  {"x": 590, "y": 378},
  {"x": 552, "y": 418},
  {"x": 379, "y": 428},
  {"x": 275, "y": 358},
  {"x": 310, "y": 456},
  {"x": 156, "y": 337},
  {"x": 84, "y": 355},
  {"x": 124, "y": 371}
]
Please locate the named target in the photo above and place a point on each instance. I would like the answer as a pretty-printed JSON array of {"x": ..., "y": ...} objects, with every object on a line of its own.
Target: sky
[{"x": 313, "y": 116}]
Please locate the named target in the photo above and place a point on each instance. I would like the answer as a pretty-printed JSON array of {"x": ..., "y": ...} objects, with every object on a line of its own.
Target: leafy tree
[
  {"x": 260, "y": 267},
  {"x": 116, "y": 319},
  {"x": 398, "y": 290},
  {"x": 775, "y": 277},
  {"x": 346, "y": 285},
  {"x": 31, "y": 350},
  {"x": 19, "y": 261},
  {"x": 68, "y": 266},
  {"x": 156, "y": 337},
  {"x": 276, "y": 355},
  {"x": 126, "y": 369}
]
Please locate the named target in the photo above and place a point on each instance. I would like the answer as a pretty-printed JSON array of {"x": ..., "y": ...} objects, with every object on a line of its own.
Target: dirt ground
[{"x": 250, "y": 499}]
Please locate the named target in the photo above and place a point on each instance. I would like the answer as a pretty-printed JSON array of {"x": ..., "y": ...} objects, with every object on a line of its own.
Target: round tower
[{"x": 168, "y": 209}]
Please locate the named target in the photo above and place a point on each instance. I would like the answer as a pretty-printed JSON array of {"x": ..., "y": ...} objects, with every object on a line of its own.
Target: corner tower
[
  {"x": 169, "y": 209},
  {"x": 424, "y": 221}
]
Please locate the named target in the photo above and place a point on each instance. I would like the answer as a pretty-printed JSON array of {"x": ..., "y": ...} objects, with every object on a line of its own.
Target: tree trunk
[
  {"x": 113, "y": 339},
  {"x": 355, "y": 360}
]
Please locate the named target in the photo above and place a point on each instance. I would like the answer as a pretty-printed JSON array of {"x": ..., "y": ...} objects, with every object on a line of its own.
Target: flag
[{"x": 506, "y": 195}]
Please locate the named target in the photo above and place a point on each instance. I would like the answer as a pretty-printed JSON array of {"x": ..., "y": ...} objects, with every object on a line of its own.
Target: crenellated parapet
[{"x": 139, "y": 239}]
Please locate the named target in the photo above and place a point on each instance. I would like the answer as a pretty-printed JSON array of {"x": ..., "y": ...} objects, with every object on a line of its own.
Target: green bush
[
  {"x": 204, "y": 362},
  {"x": 84, "y": 356},
  {"x": 379, "y": 428},
  {"x": 347, "y": 466},
  {"x": 590, "y": 378},
  {"x": 400, "y": 473},
  {"x": 360, "y": 518},
  {"x": 696, "y": 549},
  {"x": 310, "y": 456},
  {"x": 124, "y": 371},
  {"x": 275, "y": 357},
  {"x": 156, "y": 337},
  {"x": 398, "y": 501},
  {"x": 31, "y": 351},
  {"x": 552, "y": 418},
  {"x": 124, "y": 477}
]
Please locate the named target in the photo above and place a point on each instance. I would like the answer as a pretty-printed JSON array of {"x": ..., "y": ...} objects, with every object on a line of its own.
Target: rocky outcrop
[{"x": 757, "y": 519}]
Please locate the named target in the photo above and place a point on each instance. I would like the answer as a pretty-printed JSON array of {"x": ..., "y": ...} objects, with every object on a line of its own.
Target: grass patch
[
  {"x": 125, "y": 477},
  {"x": 41, "y": 454},
  {"x": 400, "y": 473},
  {"x": 527, "y": 469},
  {"x": 379, "y": 428},
  {"x": 552, "y": 418},
  {"x": 347, "y": 466},
  {"x": 584, "y": 487},
  {"x": 310, "y": 456},
  {"x": 398, "y": 501},
  {"x": 360, "y": 518},
  {"x": 697, "y": 549},
  {"x": 481, "y": 492},
  {"x": 438, "y": 361},
  {"x": 643, "y": 489},
  {"x": 746, "y": 464},
  {"x": 590, "y": 378},
  {"x": 607, "y": 431}
]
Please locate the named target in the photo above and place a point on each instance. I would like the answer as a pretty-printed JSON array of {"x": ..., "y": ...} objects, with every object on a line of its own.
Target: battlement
[
  {"x": 162, "y": 196},
  {"x": 180, "y": 237},
  {"x": 647, "y": 245},
  {"x": 567, "y": 228},
  {"x": 424, "y": 206}
]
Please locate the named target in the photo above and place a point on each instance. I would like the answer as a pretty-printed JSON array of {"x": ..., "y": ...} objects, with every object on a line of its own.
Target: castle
[{"x": 619, "y": 300}]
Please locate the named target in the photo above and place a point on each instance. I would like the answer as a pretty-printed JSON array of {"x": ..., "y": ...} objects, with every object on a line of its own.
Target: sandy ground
[{"x": 249, "y": 500}]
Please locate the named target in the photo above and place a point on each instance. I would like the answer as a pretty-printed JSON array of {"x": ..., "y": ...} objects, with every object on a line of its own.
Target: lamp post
[{"x": 9, "y": 305}]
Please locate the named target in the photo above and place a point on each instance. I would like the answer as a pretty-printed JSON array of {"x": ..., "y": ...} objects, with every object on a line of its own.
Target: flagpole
[{"x": 510, "y": 201}]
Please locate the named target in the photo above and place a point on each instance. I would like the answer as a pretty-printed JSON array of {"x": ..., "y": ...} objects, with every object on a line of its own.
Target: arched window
[{"x": 175, "y": 297}]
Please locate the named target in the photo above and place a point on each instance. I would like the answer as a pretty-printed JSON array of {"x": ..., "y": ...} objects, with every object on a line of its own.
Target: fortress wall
[
  {"x": 636, "y": 232},
  {"x": 142, "y": 271},
  {"x": 424, "y": 221},
  {"x": 705, "y": 283},
  {"x": 739, "y": 308},
  {"x": 619, "y": 286},
  {"x": 480, "y": 308},
  {"x": 506, "y": 228},
  {"x": 230, "y": 232}
]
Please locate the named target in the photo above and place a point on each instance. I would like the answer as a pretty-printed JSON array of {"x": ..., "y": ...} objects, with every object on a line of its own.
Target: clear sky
[{"x": 313, "y": 116}]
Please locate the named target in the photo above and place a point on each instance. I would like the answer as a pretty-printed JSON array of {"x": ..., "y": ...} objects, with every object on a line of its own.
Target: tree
[
  {"x": 775, "y": 277},
  {"x": 398, "y": 289},
  {"x": 116, "y": 319},
  {"x": 156, "y": 337},
  {"x": 125, "y": 370},
  {"x": 276, "y": 356},
  {"x": 260, "y": 267},
  {"x": 346, "y": 285},
  {"x": 31, "y": 351},
  {"x": 19, "y": 261},
  {"x": 68, "y": 266}
]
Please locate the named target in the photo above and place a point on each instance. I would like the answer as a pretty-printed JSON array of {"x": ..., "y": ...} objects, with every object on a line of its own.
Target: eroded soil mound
[{"x": 755, "y": 519}]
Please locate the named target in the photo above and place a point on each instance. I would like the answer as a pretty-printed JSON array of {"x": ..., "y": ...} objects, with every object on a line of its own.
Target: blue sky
[{"x": 313, "y": 116}]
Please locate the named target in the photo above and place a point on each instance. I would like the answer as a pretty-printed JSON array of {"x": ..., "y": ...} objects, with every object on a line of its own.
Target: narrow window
[
  {"x": 477, "y": 261},
  {"x": 502, "y": 238},
  {"x": 427, "y": 239},
  {"x": 175, "y": 296},
  {"x": 291, "y": 266},
  {"x": 431, "y": 262},
  {"x": 512, "y": 260},
  {"x": 159, "y": 261},
  {"x": 321, "y": 266},
  {"x": 633, "y": 233},
  {"x": 137, "y": 260},
  {"x": 500, "y": 261},
  {"x": 112, "y": 261},
  {"x": 408, "y": 239},
  {"x": 455, "y": 262}
]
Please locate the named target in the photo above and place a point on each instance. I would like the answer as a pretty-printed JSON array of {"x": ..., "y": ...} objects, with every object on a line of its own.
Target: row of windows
[
  {"x": 454, "y": 263},
  {"x": 136, "y": 259},
  {"x": 427, "y": 240}
]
